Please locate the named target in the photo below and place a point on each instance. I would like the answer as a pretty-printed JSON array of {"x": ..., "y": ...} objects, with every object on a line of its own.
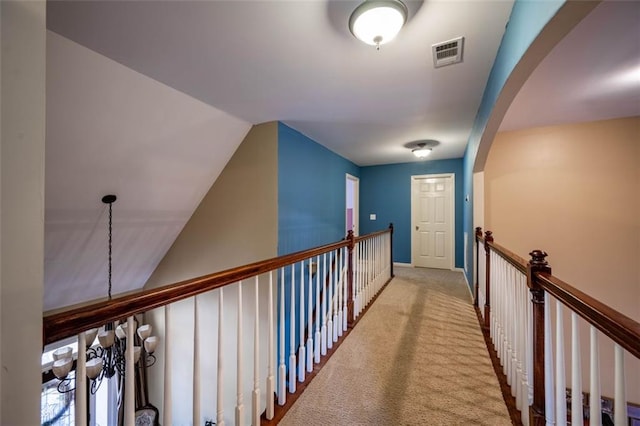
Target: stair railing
[
  {"x": 293, "y": 307},
  {"x": 516, "y": 299}
]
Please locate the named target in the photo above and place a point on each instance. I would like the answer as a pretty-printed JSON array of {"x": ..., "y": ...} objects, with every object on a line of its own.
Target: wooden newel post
[
  {"x": 391, "y": 248},
  {"x": 537, "y": 264},
  {"x": 350, "y": 248},
  {"x": 488, "y": 238},
  {"x": 478, "y": 235}
]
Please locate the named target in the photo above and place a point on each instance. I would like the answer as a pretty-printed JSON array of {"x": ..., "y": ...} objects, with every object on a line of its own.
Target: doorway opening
[{"x": 353, "y": 195}]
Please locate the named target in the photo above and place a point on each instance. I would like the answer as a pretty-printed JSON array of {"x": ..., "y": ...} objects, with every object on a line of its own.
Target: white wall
[
  {"x": 22, "y": 208},
  {"x": 235, "y": 224}
]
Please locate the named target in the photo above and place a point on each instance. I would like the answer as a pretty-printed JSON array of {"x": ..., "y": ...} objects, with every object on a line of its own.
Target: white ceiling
[
  {"x": 592, "y": 74},
  {"x": 297, "y": 62}
]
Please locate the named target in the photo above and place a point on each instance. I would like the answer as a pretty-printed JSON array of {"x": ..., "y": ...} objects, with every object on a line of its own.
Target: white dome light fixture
[
  {"x": 377, "y": 22},
  {"x": 421, "y": 151}
]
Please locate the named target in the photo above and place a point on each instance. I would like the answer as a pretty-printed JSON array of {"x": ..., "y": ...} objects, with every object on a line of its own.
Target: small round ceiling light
[
  {"x": 377, "y": 22},
  {"x": 421, "y": 151}
]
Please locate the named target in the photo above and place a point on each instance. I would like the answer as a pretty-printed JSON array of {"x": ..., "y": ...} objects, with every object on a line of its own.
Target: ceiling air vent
[{"x": 447, "y": 52}]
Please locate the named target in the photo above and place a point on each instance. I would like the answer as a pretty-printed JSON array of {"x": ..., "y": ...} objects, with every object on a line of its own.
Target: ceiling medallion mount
[{"x": 377, "y": 22}]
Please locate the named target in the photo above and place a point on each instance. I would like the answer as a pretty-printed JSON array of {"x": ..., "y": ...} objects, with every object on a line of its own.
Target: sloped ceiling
[{"x": 112, "y": 130}]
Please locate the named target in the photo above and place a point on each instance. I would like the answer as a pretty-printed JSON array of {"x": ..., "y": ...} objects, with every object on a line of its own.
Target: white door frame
[
  {"x": 452, "y": 226},
  {"x": 356, "y": 203}
]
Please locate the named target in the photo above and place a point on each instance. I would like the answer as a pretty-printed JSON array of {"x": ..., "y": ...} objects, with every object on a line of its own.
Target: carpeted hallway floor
[{"x": 417, "y": 357}]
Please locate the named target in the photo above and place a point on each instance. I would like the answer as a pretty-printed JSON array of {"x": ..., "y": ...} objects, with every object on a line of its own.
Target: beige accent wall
[
  {"x": 235, "y": 224},
  {"x": 574, "y": 191},
  {"x": 23, "y": 36}
]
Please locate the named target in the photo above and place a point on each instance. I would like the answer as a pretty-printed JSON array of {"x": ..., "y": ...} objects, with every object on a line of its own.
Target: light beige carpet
[{"x": 416, "y": 358}]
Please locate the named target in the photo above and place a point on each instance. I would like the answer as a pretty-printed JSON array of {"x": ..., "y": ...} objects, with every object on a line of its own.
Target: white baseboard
[
  {"x": 407, "y": 265},
  {"x": 466, "y": 281}
]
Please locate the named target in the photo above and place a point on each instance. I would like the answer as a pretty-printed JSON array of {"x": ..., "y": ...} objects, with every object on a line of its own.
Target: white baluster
[
  {"x": 595, "y": 408},
  {"x": 271, "y": 345},
  {"x": 220, "y": 379},
  {"x": 323, "y": 345},
  {"x": 317, "y": 337},
  {"x": 345, "y": 295},
  {"x": 341, "y": 285},
  {"x": 310, "y": 319},
  {"x": 561, "y": 385},
  {"x": 239, "y": 366},
  {"x": 81, "y": 381},
  {"x": 167, "y": 415},
  {"x": 549, "y": 398},
  {"x": 196, "y": 363},
  {"x": 255, "y": 396},
  {"x": 129, "y": 377},
  {"x": 620, "y": 395},
  {"x": 336, "y": 292},
  {"x": 302, "y": 352},
  {"x": 577, "y": 414},
  {"x": 292, "y": 332},
  {"x": 282, "y": 369},
  {"x": 330, "y": 305}
]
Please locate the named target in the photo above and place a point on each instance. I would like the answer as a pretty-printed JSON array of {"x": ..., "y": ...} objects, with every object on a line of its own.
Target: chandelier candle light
[
  {"x": 377, "y": 22},
  {"x": 109, "y": 356}
]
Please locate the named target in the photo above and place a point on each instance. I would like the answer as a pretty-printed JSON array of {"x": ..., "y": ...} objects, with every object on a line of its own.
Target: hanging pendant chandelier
[{"x": 107, "y": 358}]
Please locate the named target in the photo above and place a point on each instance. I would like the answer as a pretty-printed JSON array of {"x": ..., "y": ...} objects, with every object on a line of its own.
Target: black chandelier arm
[
  {"x": 64, "y": 385},
  {"x": 150, "y": 360}
]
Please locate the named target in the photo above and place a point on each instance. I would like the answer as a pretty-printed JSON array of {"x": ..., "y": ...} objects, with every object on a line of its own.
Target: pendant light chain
[{"x": 110, "y": 245}]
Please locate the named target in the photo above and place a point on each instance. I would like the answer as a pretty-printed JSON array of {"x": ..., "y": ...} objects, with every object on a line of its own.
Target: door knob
[{"x": 417, "y": 228}]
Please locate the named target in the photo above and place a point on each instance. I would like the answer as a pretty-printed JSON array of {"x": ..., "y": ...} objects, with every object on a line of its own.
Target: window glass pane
[{"x": 58, "y": 408}]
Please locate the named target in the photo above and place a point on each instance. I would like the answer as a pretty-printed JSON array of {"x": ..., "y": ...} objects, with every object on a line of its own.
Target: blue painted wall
[
  {"x": 527, "y": 19},
  {"x": 386, "y": 191},
  {"x": 311, "y": 205},
  {"x": 311, "y": 192}
]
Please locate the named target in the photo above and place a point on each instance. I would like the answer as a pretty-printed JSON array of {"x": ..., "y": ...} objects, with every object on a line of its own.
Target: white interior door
[
  {"x": 352, "y": 204},
  {"x": 432, "y": 224}
]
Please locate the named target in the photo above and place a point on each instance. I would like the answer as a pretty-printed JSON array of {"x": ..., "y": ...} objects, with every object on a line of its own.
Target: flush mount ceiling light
[
  {"x": 377, "y": 22},
  {"x": 421, "y": 151}
]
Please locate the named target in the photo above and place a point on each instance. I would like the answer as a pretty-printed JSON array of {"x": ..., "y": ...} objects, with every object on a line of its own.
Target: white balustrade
[
  {"x": 577, "y": 414},
  {"x": 81, "y": 382},
  {"x": 196, "y": 363},
  {"x": 310, "y": 319},
  {"x": 317, "y": 338},
  {"x": 330, "y": 300},
  {"x": 282, "y": 369},
  {"x": 271, "y": 348},
  {"x": 239, "y": 358},
  {"x": 595, "y": 405},
  {"x": 167, "y": 410},
  {"x": 220, "y": 364},
  {"x": 323, "y": 345},
  {"x": 302, "y": 352},
  {"x": 255, "y": 395},
  {"x": 620, "y": 394}
]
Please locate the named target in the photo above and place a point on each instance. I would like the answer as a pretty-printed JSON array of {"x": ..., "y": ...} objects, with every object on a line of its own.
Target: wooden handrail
[
  {"x": 617, "y": 326},
  {"x": 518, "y": 262},
  {"x": 68, "y": 323}
]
